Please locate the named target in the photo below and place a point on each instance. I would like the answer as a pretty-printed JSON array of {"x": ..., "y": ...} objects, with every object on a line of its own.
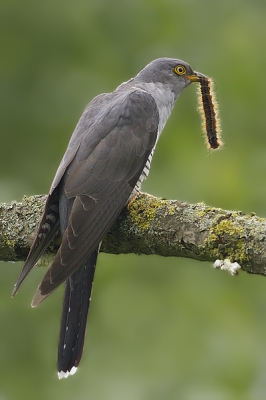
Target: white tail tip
[{"x": 65, "y": 374}]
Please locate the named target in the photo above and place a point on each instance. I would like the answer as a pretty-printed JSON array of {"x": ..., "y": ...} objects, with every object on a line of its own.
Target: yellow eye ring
[{"x": 180, "y": 70}]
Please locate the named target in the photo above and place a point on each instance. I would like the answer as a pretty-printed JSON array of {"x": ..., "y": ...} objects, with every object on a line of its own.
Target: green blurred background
[{"x": 158, "y": 328}]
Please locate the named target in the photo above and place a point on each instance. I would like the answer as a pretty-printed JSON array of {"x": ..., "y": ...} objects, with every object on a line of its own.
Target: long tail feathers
[
  {"x": 74, "y": 317},
  {"x": 77, "y": 290},
  {"x": 47, "y": 228}
]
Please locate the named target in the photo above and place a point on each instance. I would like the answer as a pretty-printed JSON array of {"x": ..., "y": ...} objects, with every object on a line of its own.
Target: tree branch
[{"x": 152, "y": 226}]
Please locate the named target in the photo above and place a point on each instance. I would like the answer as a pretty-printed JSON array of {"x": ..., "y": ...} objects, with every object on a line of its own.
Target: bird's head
[{"x": 174, "y": 73}]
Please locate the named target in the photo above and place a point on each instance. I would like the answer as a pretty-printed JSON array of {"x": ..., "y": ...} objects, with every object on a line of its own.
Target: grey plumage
[{"x": 107, "y": 158}]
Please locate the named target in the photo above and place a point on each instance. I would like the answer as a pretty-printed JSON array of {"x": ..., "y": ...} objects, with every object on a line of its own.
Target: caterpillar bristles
[{"x": 209, "y": 112}]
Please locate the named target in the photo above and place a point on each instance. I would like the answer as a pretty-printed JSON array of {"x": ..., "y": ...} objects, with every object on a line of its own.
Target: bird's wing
[
  {"x": 50, "y": 219},
  {"x": 83, "y": 129},
  {"x": 106, "y": 167}
]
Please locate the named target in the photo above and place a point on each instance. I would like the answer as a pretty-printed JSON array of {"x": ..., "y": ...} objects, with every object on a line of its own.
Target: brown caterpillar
[{"x": 209, "y": 111}]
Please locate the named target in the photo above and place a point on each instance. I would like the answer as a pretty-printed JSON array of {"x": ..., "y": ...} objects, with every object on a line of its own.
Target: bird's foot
[
  {"x": 131, "y": 201},
  {"x": 136, "y": 196}
]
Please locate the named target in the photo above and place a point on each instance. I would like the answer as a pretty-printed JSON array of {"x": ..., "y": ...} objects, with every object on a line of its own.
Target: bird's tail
[
  {"x": 48, "y": 226},
  {"x": 74, "y": 317}
]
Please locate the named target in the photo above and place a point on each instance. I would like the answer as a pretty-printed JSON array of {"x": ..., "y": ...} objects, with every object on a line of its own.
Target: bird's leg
[
  {"x": 136, "y": 196},
  {"x": 131, "y": 201}
]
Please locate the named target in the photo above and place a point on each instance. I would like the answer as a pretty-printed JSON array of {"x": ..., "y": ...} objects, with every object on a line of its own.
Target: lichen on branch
[{"x": 152, "y": 225}]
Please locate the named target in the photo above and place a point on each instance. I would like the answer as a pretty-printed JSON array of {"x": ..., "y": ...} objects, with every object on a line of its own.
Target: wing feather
[{"x": 110, "y": 157}]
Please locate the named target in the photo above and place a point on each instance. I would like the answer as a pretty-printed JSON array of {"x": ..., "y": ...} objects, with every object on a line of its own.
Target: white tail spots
[
  {"x": 47, "y": 227},
  {"x": 50, "y": 217},
  {"x": 65, "y": 374}
]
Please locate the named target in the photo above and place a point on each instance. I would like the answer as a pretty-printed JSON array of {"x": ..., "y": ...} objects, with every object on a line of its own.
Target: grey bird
[{"x": 107, "y": 159}]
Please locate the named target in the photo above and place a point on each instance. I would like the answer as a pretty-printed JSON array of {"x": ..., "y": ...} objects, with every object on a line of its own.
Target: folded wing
[{"x": 110, "y": 156}]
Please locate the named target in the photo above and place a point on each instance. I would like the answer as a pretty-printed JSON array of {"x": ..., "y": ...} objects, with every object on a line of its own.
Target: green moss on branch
[{"x": 152, "y": 226}]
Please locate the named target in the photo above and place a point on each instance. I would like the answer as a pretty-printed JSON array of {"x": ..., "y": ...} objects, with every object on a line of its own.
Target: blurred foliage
[{"x": 158, "y": 328}]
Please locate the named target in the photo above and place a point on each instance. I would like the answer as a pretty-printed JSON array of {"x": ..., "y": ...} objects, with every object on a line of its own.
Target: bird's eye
[{"x": 180, "y": 70}]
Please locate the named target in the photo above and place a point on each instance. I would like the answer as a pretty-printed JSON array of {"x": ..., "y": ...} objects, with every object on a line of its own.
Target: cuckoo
[{"x": 107, "y": 159}]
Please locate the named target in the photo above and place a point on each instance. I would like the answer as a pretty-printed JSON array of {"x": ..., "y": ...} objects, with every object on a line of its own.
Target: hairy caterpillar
[{"x": 209, "y": 111}]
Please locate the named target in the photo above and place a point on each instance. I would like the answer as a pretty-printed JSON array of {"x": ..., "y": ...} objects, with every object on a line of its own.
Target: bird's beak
[{"x": 196, "y": 77}]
